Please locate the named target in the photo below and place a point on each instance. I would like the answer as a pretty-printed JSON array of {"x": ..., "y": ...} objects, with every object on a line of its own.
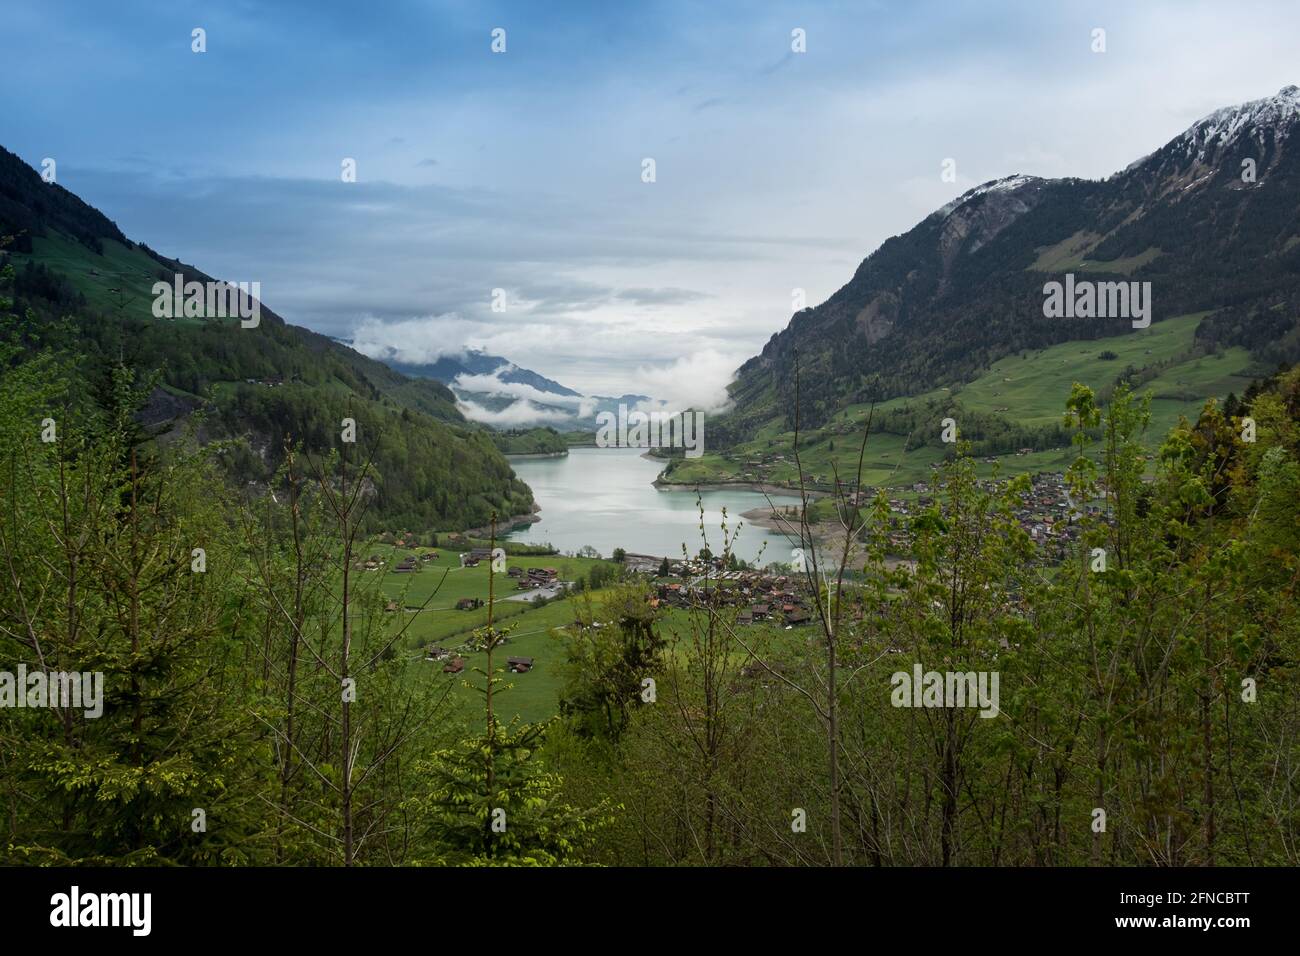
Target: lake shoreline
[
  {"x": 505, "y": 527},
  {"x": 760, "y": 487}
]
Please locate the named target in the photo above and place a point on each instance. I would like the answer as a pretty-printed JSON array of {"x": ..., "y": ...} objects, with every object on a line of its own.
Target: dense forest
[
  {"x": 250, "y": 390},
  {"x": 530, "y": 441}
]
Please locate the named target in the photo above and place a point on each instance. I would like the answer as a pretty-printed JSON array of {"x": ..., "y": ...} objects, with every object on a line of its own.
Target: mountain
[
  {"x": 1211, "y": 220},
  {"x": 513, "y": 398},
  {"x": 85, "y": 291},
  {"x": 475, "y": 362}
]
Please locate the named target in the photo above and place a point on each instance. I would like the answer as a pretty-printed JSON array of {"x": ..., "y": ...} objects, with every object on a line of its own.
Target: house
[
  {"x": 429, "y": 556},
  {"x": 515, "y": 571},
  {"x": 407, "y": 565},
  {"x": 454, "y": 666},
  {"x": 391, "y": 607},
  {"x": 520, "y": 665},
  {"x": 744, "y": 617},
  {"x": 437, "y": 653},
  {"x": 469, "y": 604},
  {"x": 797, "y": 617},
  {"x": 474, "y": 555},
  {"x": 759, "y": 612}
]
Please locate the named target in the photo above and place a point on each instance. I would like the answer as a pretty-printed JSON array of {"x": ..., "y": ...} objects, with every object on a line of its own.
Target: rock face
[{"x": 1211, "y": 219}]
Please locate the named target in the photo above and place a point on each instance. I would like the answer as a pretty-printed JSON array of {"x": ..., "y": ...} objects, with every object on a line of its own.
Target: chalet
[
  {"x": 540, "y": 577},
  {"x": 391, "y": 607},
  {"x": 429, "y": 556},
  {"x": 744, "y": 617},
  {"x": 759, "y": 612},
  {"x": 797, "y": 617},
  {"x": 469, "y": 604},
  {"x": 478, "y": 554},
  {"x": 520, "y": 665},
  {"x": 515, "y": 571},
  {"x": 454, "y": 666},
  {"x": 437, "y": 653},
  {"x": 407, "y": 565}
]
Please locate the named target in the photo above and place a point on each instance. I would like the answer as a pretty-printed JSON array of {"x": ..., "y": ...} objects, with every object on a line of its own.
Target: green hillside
[
  {"x": 84, "y": 293},
  {"x": 1016, "y": 402}
]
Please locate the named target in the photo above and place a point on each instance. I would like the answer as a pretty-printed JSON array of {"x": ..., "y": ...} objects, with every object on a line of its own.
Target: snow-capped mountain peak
[
  {"x": 1006, "y": 184},
  {"x": 1224, "y": 126}
]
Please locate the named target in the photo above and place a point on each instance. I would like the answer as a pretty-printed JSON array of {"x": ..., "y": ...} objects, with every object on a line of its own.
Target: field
[
  {"x": 120, "y": 280},
  {"x": 428, "y": 597},
  {"x": 1029, "y": 389},
  {"x": 535, "y": 630}
]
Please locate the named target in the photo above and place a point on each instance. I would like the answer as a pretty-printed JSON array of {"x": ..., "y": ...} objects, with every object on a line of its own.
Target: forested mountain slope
[{"x": 82, "y": 289}]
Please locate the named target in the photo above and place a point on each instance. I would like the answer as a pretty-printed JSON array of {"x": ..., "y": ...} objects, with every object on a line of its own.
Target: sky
[{"x": 523, "y": 171}]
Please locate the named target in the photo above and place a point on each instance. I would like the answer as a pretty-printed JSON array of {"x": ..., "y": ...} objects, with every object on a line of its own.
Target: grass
[
  {"x": 1070, "y": 255},
  {"x": 1029, "y": 388},
  {"x": 119, "y": 280},
  {"x": 535, "y": 695}
]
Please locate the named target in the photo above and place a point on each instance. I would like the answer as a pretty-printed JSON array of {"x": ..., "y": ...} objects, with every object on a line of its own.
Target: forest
[{"x": 258, "y": 708}]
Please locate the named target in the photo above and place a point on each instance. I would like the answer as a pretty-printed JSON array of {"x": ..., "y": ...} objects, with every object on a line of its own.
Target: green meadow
[{"x": 1027, "y": 389}]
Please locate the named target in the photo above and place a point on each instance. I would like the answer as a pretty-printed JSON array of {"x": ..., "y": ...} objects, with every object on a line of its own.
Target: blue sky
[{"x": 522, "y": 170}]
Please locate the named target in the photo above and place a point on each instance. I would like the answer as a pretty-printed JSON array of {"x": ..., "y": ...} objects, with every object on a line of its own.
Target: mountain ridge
[
  {"x": 80, "y": 287},
  {"x": 963, "y": 287}
]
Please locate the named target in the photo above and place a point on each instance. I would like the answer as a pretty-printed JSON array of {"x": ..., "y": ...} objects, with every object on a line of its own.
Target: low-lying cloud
[{"x": 520, "y": 414}]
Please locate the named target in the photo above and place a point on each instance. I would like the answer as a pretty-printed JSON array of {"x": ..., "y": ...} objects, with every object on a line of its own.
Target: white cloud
[
  {"x": 414, "y": 341},
  {"x": 521, "y": 414},
  {"x": 698, "y": 380},
  {"x": 492, "y": 384}
]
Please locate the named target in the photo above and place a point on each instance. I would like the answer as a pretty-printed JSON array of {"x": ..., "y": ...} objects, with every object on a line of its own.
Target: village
[
  {"x": 1046, "y": 513},
  {"x": 774, "y": 597}
]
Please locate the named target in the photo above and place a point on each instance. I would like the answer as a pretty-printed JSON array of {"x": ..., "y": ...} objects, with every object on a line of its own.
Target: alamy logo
[
  {"x": 103, "y": 909},
  {"x": 639, "y": 429},
  {"x": 1085, "y": 299},
  {"x": 78, "y": 690},
  {"x": 946, "y": 689},
  {"x": 208, "y": 300}
]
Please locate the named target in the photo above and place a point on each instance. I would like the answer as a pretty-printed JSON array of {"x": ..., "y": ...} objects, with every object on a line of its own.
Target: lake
[{"x": 605, "y": 497}]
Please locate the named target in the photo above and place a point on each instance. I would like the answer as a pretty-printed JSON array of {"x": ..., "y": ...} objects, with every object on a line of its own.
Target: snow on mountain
[
  {"x": 1272, "y": 115},
  {"x": 1006, "y": 184}
]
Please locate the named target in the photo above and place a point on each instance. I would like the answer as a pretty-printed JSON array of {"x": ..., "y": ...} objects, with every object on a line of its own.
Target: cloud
[
  {"x": 698, "y": 380},
  {"x": 660, "y": 296},
  {"x": 428, "y": 161},
  {"x": 419, "y": 341},
  {"x": 492, "y": 384},
  {"x": 516, "y": 415}
]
